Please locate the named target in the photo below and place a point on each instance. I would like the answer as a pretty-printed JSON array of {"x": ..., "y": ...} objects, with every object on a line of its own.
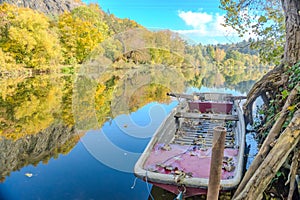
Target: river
[{"x": 78, "y": 136}]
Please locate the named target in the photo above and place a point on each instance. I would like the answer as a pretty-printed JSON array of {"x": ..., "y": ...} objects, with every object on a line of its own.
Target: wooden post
[{"x": 216, "y": 163}]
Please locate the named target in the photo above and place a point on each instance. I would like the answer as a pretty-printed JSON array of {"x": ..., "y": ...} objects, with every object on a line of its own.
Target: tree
[
  {"x": 280, "y": 86},
  {"x": 26, "y": 36},
  {"x": 263, "y": 20},
  {"x": 80, "y": 32},
  {"x": 7, "y": 62},
  {"x": 219, "y": 55}
]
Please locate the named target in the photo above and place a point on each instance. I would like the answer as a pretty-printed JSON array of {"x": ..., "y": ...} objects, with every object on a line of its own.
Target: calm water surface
[{"x": 79, "y": 138}]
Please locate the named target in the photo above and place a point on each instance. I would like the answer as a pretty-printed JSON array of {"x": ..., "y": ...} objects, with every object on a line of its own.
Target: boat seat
[{"x": 208, "y": 116}]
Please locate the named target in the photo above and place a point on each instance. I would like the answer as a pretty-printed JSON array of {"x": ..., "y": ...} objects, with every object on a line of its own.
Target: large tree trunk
[
  {"x": 276, "y": 78},
  {"x": 291, "y": 10},
  {"x": 264, "y": 88},
  {"x": 267, "y": 163}
]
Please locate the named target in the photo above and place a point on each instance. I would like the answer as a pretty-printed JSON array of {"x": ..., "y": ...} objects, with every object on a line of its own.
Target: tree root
[
  {"x": 269, "y": 141},
  {"x": 293, "y": 172},
  {"x": 265, "y": 88},
  {"x": 263, "y": 175}
]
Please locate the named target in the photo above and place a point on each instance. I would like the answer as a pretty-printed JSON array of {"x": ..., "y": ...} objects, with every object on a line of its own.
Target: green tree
[
  {"x": 264, "y": 19},
  {"x": 279, "y": 89},
  {"x": 219, "y": 55},
  {"x": 211, "y": 51}
]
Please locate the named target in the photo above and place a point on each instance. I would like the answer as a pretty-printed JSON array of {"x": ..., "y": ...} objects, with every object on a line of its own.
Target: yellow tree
[
  {"x": 219, "y": 55},
  {"x": 7, "y": 62},
  {"x": 80, "y": 32},
  {"x": 27, "y": 37}
]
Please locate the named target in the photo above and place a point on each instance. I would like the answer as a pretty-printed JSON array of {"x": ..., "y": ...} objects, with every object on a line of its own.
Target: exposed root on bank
[
  {"x": 293, "y": 172},
  {"x": 280, "y": 140},
  {"x": 265, "y": 88},
  {"x": 259, "y": 181}
]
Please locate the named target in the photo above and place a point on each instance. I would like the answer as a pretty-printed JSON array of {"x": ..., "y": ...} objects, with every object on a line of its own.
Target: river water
[{"x": 79, "y": 136}]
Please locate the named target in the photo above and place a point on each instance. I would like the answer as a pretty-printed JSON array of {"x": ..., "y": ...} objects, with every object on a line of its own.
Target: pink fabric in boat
[
  {"x": 187, "y": 159},
  {"x": 215, "y": 107}
]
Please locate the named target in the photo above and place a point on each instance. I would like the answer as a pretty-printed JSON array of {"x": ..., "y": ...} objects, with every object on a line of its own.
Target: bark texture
[
  {"x": 273, "y": 134},
  {"x": 292, "y": 23},
  {"x": 276, "y": 148},
  {"x": 293, "y": 172},
  {"x": 272, "y": 163},
  {"x": 265, "y": 88}
]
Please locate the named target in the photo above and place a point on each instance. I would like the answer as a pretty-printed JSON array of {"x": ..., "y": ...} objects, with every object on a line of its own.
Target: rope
[
  {"x": 148, "y": 188},
  {"x": 134, "y": 182}
]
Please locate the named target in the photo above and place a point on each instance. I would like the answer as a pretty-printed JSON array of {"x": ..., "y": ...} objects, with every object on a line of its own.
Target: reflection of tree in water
[
  {"x": 100, "y": 97},
  {"x": 36, "y": 121},
  {"x": 147, "y": 94},
  {"x": 54, "y": 140},
  {"x": 36, "y": 113},
  {"x": 34, "y": 104},
  {"x": 102, "y": 94},
  {"x": 141, "y": 86},
  {"x": 240, "y": 80},
  {"x": 213, "y": 79},
  {"x": 244, "y": 86}
]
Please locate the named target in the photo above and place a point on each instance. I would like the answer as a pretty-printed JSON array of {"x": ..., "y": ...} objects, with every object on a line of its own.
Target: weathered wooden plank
[
  {"x": 178, "y": 95},
  {"x": 207, "y": 116}
]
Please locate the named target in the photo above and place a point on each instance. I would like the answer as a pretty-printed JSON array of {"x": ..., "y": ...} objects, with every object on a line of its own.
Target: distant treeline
[{"x": 30, "y": 39}]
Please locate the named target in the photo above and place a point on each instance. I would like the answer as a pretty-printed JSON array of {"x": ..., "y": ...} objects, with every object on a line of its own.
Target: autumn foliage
[{"x": 30, "y": 39}]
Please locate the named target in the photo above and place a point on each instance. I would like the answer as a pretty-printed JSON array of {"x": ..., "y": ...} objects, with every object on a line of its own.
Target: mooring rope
[
  {"x": 148, "y": 188},
  {"x": 134, "y": 182}
]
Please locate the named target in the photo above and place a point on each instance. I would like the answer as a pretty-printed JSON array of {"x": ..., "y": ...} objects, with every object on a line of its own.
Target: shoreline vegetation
[{"x": 33, "y": 43}]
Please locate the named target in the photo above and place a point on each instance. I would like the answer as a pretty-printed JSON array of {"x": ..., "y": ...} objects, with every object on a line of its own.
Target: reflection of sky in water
[
  {"x": 79, "y": 175},
  {"x": 74, "y": 176},
  {"x": 138, "y": 126},
  {"x": 252, "y": 145},
  {"x": 83, "y": 175},
  {"x": 119, "y": 146}
]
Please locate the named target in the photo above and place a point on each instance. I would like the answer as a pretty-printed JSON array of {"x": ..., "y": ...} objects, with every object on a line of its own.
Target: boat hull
[{"x": 173, "y": 161}]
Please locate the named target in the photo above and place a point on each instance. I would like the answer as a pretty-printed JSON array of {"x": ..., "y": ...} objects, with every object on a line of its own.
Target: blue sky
[{"x": 198, "y": 20}]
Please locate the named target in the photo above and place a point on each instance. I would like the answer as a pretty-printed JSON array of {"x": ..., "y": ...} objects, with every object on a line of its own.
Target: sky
[{"x": 197, "y": 20}]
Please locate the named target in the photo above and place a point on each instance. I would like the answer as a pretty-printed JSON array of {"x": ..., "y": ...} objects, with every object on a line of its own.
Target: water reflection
[
  {"x": 33, "y": 104},
  {"x": 36, "y": 121},
  {"x": 43, "y": 118},
  {"x": 30, "y": 150}
]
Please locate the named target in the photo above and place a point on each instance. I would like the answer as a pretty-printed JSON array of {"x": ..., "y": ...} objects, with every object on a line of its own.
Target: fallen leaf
[{"x": 29, "y": 175}]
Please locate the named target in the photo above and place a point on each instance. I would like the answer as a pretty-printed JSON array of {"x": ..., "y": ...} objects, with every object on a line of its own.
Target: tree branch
[
  {"x": 272, "y": 163},
  {"x": 293, "y": 172},
  {"x": 273, "y": 134}
]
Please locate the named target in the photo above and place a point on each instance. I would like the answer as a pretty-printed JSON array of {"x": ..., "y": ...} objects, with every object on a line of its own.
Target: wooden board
[{"x": 207, "y": 116}]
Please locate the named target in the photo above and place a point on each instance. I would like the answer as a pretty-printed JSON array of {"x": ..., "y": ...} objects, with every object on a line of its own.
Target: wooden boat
[{"x": 178, "y": 156}]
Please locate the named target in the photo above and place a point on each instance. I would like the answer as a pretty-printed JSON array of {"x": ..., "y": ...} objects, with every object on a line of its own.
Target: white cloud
[
  {"x": 205, "y": 25},
  {"x": 195, "y": 19}
]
